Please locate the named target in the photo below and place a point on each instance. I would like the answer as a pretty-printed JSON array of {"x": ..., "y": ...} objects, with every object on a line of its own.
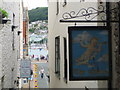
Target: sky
[{"x": 31, "y": 4}]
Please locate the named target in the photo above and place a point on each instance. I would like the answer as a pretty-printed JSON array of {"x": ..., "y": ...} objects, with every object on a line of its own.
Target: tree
[
  {"x": 32, "y": 30},
  {"x": 40, "y": 13}
]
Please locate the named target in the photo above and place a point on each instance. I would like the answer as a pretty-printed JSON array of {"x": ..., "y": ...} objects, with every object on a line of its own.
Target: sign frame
[{"x": 88, "y": 28}]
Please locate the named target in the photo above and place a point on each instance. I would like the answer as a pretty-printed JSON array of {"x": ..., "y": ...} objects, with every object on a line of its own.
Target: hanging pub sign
[{"x": 89, "y": 53}]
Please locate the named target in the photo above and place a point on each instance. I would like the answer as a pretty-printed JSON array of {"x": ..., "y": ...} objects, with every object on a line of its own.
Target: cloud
[
  {"x": 31, "y": 4},
  {"x": 85, "y": 36}
]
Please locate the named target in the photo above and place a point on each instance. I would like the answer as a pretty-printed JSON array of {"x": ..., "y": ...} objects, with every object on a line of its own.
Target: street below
[{"x": 39, "y": 82}]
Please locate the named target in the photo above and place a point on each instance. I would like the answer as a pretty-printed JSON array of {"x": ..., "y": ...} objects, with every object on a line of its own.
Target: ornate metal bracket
[{"x": 89, "y": 14}]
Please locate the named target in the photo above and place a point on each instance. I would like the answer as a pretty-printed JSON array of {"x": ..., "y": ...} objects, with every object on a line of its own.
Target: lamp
[
  {"x": 19, "y": 32},
  {"x": 13, "y": 27}
]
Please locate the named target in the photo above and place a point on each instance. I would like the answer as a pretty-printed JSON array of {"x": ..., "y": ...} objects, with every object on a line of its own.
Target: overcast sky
[{"x": 35, "y": 3}]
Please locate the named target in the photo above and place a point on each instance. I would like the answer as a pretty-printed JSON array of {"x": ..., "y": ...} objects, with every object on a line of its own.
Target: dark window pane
[
  {"x": 65, "y": 58},
  {"x": 57, "y": 56}
]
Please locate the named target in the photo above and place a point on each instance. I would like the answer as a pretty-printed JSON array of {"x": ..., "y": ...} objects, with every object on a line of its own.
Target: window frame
[
  {"x": 65, "y": 59},
  {"x": 57, "y": 7},
  {"x": 57, "y": 56}
]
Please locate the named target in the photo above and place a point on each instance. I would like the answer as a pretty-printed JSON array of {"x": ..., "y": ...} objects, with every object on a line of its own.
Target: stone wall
[{"x": 10, "y": 45}]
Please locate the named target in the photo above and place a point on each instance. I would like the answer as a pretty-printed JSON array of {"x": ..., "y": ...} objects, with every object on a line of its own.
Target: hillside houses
[{"x": 39, "y": 27}]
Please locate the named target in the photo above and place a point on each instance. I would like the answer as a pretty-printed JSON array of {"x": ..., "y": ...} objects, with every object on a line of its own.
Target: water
[{"x": 38, "y": 51}]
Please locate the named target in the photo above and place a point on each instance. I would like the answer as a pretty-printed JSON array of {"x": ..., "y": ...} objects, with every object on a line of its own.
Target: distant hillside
[{"x": 40, "y": 13}]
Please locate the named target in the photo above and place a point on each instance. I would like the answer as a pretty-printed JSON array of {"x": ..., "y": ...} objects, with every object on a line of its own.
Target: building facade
[
  {"x": 10, "y": 46},
  {"x": 64, "y": 14}
]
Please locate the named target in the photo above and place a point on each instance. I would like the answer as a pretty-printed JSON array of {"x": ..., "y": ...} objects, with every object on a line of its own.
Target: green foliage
[
  {"x": 32, "y": 30},
  {"x": 40, "y": 13},
  {"x": 43, "y": 27},
  {"x": 35, "y": 25},
  {"x": 46, "y": 21},
  {"x": 4, "y": 13}
]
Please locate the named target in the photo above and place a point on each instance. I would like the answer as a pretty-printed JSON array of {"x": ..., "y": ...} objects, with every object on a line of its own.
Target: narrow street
[
  {"x": 59, "y": 44},
  {"x": 39, "y": 82}
]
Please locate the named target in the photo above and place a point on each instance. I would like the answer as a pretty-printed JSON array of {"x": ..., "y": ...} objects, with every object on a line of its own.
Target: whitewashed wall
[
  {"x": 61, "y": 29},
  {"x": 21, "y": 29},
  {"x": 8, "y": 56}
]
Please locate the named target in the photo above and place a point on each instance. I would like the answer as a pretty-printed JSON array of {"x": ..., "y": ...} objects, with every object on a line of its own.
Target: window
[
  {"x": 2, "y": 82},
  {"x": 13, "y": 27},
  {"x": 24, "y": 81},
  {"x": 13, "y": 41},
  {"x": 65, "y": 59},
  {"x": 57, "y": 7},
  {"x": 57, "y": 56},
  {"x": 13, "y": 19}
]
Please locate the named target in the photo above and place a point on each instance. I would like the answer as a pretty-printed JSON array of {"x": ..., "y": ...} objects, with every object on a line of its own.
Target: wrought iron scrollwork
[{"x": 89, "y": 14}]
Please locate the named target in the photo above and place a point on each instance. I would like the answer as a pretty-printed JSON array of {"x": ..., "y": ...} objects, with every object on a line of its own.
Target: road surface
[{"x": 38, "y": 81}]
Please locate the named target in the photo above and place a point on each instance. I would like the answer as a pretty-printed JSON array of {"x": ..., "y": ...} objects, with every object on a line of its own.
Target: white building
[
  {"x": 59, "y": 60},
  {"x": 10, "y": 43}
]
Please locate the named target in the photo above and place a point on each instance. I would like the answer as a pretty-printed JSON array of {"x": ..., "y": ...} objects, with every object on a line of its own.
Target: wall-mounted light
[
  {"x": 19, "y": 32},
  {"x": 13, "y": 27}
]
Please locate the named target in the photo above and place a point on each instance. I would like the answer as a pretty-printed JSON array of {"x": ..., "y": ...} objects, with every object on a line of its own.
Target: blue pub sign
[{"x": 89, "y": 53}]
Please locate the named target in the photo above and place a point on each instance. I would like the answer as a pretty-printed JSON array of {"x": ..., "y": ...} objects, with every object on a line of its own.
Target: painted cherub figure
[{"x": 90, "y": 53}]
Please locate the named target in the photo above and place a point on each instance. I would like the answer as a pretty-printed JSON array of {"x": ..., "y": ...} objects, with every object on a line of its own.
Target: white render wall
[
  {"x": 0, "y": 58},
  {"x": 61, "y": 29},
  {"x": 8, "y": 56},
  {"x": 21, "y": 29}
]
